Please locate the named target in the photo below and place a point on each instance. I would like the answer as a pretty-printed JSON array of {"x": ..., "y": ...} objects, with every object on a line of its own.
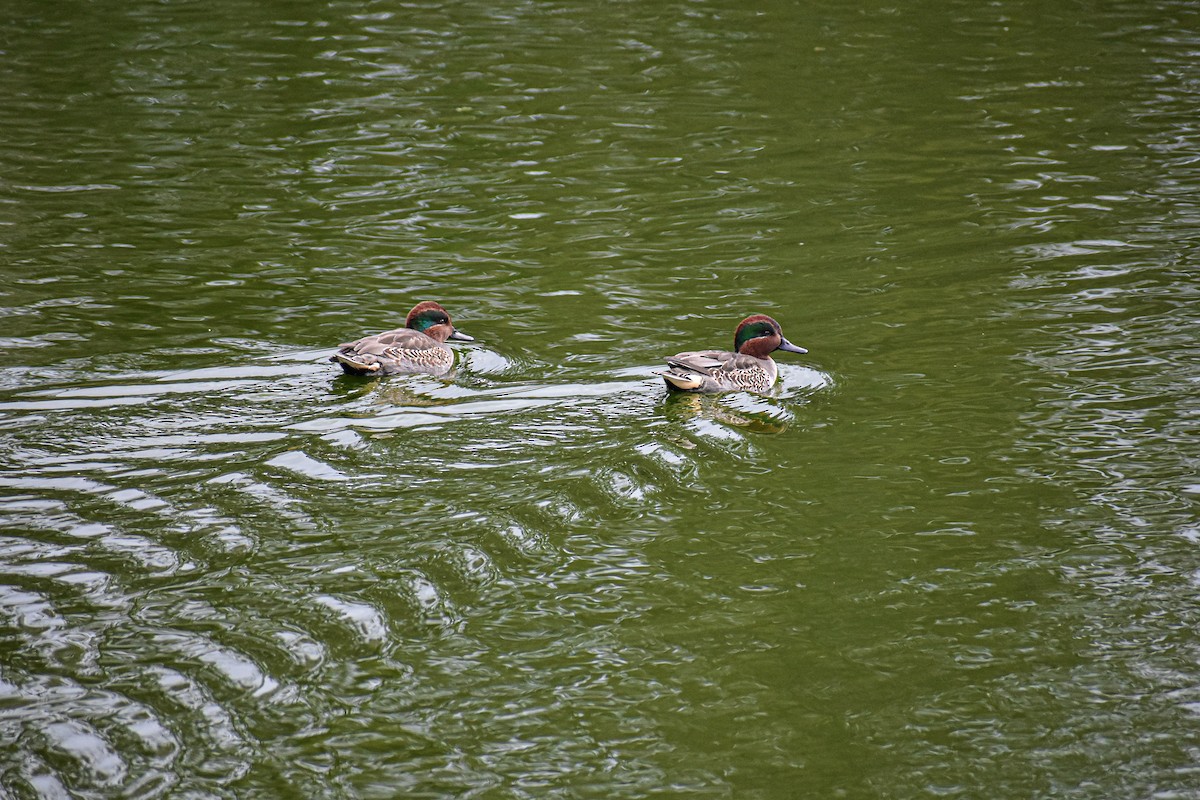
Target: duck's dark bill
[
  {"x": 462, "y": 337},
  {"x": 789, "y": 347}
]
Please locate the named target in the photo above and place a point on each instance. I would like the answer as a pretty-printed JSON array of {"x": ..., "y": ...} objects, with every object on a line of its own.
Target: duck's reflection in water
[{"x": 751, "y": 414}]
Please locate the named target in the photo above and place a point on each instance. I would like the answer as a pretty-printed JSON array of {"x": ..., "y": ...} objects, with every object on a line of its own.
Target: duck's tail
[
  {"x": 354, "y": 364},
  {"x": 684, "y": 382}
]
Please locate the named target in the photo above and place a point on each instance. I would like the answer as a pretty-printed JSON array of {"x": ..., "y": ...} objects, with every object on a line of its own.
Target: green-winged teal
[
  {"x": 417, "y": 347},
  {"x": 749, "y": 369}
]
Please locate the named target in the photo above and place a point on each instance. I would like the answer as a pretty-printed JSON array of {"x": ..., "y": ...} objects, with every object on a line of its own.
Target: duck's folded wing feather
[
  {"x": 385, "y": 344},
  {"x": 738, "y": 362},
  {"x": 704, "y": 361}
]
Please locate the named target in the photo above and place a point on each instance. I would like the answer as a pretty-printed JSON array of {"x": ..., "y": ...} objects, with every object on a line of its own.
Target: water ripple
[{"x": 226, "y": 569}]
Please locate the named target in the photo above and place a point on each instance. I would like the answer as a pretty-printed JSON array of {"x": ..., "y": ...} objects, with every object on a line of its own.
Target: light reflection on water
[{"x": 196, "y": 479}]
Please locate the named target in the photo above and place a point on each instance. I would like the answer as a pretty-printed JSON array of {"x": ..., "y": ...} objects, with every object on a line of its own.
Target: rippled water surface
[{"x": 955, "y": 553}]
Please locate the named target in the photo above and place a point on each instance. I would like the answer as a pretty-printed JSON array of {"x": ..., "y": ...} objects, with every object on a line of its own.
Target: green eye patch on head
[
  {"x": 428, "y": 319},
  {"x": 753, "y": 331}
]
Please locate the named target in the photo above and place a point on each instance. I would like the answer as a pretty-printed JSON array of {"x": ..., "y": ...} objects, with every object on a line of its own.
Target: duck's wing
[
  {"x": 717, "y": 371},
  {"x": 701, "y": 361},
  {"x": 391, "y": 344},
  {"x": 694, "y": 371},
  {"x": 391, "y": 351}
]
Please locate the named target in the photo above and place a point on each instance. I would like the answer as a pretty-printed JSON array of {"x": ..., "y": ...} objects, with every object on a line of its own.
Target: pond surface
[{"x": 956, "y": 553}]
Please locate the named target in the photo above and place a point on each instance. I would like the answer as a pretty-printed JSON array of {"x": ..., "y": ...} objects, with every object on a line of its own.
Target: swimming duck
[
  {"x": 750, "y": 368},
  {"x": 417, "y": 347}
]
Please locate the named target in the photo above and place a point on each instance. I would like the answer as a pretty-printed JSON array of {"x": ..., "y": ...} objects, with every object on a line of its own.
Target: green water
[{"x": 955, "y": 554}]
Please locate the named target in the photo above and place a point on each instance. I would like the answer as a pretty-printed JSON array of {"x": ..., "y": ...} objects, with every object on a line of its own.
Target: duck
[
  {"x": 418, "y": 347},
  {"x": 749, "y": 368}
]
